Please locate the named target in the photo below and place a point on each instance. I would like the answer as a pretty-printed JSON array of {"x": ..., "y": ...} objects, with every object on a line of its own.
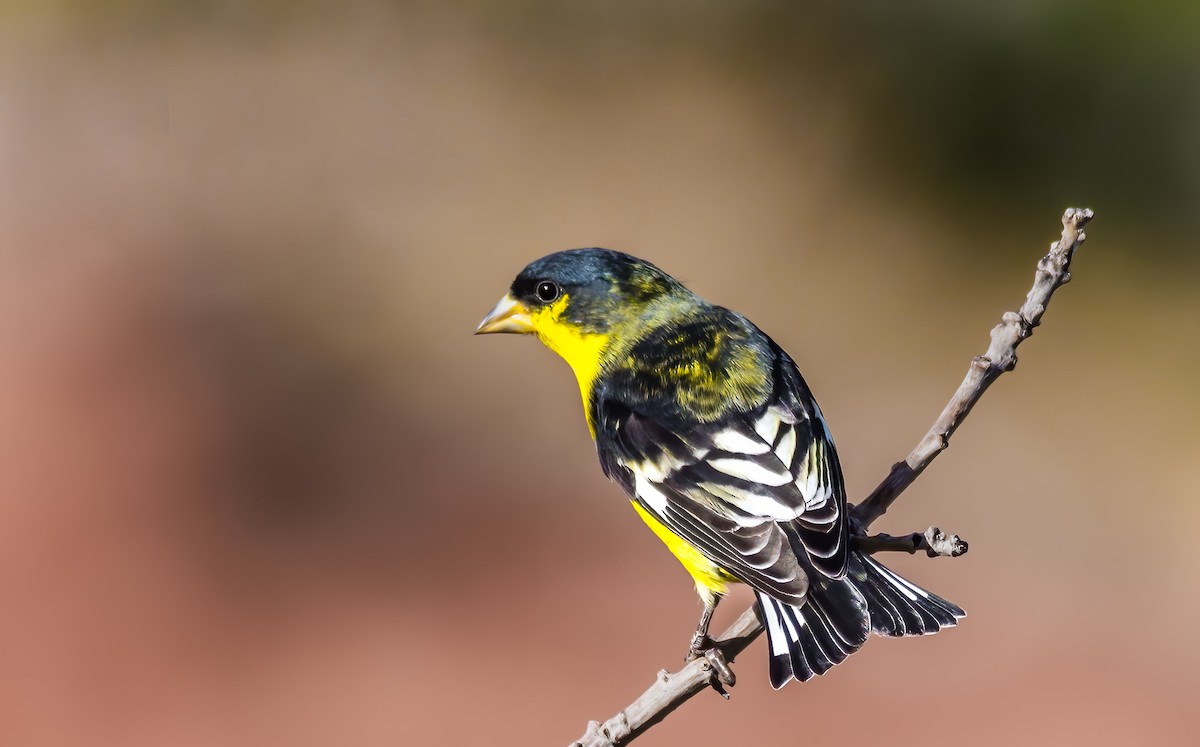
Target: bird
[{"x": 720, "y": 446}]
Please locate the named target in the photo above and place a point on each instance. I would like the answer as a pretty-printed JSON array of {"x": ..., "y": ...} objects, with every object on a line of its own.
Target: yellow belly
[{"x": 711, "y": 579}]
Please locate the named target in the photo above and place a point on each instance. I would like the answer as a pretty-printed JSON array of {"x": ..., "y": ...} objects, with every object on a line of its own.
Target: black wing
[{"x": 759, "y": 492}]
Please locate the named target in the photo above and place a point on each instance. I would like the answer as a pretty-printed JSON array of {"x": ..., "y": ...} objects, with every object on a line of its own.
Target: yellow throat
[{"x": 583, "y": 352}]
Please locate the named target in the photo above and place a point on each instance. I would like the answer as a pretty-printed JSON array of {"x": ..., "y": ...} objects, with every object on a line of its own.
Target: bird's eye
[{"x": 547, "y": 291}]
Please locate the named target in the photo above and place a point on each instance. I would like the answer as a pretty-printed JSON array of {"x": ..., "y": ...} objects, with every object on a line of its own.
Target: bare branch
[
  {"x": 1053, "y": 271},
  {"x": 669, "y": 691}
]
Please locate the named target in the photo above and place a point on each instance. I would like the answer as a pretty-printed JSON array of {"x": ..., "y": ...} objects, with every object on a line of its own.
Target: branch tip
[
  {"x": 940, "y": 544},
  {"x": 933, "y": 541}
]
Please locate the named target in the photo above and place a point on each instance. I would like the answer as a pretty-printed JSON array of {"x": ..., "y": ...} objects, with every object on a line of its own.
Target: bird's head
[
  {"x": 590, "y": 291},
  {"x": 578, "y": 301}
]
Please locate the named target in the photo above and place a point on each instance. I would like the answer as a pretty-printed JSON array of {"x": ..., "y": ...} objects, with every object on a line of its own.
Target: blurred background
[{"x": 259, "y": 485}]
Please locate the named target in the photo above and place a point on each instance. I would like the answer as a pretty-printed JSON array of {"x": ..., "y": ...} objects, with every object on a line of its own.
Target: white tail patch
[
  {"x": 778, "y": 639},
  {"x": 911, "y": 590}
]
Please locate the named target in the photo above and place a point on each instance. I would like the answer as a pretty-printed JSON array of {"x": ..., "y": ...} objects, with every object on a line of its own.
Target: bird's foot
[
  {"x": 700, "y": 643},
  {"x": 722, "y": 675}
]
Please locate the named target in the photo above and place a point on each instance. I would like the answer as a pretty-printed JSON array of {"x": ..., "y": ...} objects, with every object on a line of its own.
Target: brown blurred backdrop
[{"x": 260, "y": 486}]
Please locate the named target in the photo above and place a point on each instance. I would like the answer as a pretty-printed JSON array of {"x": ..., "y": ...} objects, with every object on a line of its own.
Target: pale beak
[{"x": 510, "y": 315}]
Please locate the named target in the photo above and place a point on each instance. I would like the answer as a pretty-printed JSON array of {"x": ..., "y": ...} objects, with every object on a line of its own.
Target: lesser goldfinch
[{"x": 710, "y": 429}]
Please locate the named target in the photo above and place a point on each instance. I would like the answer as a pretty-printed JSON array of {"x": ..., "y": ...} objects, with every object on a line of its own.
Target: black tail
[{"x": 839, "y": 614}]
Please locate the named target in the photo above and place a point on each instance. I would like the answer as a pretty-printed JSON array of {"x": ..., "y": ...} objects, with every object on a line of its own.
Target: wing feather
[{"x": 760, "y": 493}]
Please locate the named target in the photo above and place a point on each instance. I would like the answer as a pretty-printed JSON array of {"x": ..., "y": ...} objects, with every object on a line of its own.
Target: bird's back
[{"x": 693, "y": 368}]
